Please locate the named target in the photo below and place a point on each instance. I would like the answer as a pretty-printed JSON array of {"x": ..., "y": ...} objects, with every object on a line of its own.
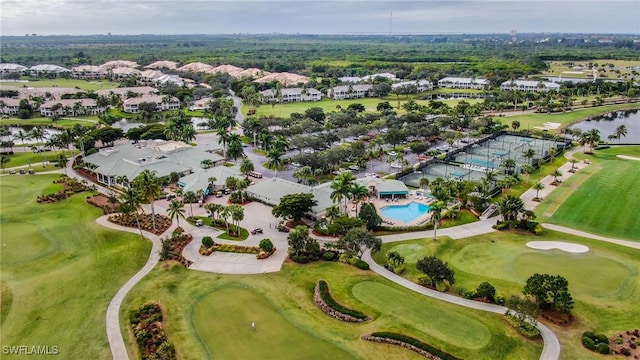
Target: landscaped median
[{"x": 263, "y": 251}]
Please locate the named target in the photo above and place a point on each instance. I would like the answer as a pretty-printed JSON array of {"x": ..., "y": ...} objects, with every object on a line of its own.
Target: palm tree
[
  {"x": 424, "y": 183},
  {"x": 131, "y": 202},
  {"x": 436, "y": 214},
  {"x": 214, "y": 209},
  {"x": 224, "y": 213},
  {"x": 122, "y": 180},
  {"x": 303, "y": 174},
  {"x": 234, "y": 146},
  {"x": 176, "y": 211},
  {"x": 212, "y": 183},
  {"x": 246, "y": 166},
  {"x": 61, "y": 162},
  {"x": 573, "y": 162},
  {"x": 552, "y": 153},
  {"x": 4, "y": 159},
  {"x": 527, "y": 170},
  {"x": 358, "y": 193},
  {"x": 275, "y": 159},
  {"x": 148, "y": 184},
  {"x": 508, "y": 165},
  {"x": 223, "y": 138},
  {"x": 537, "y": 187},
  {"x": 556, "y": 174},
  {"x": 529, "y": 154},
  {"x": 490, "y": 177},
  {"x": 237, "y": 215},
  {"x": 341, "y": 186},
  {"x": 510, "y": 207},
  {"x": 190, "y": 197},
  {"x": 621, "y": 131},
  {"x": 22, "y": 136}
]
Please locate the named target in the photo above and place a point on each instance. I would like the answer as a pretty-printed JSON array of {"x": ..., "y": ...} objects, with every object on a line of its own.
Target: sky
[{"x": 82, "y": 17}]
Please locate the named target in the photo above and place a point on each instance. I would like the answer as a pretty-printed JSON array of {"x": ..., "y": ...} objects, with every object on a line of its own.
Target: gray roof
[
  {"x": 272, "y": 190},
  {"x": 200, "y": 179},
  {"x": 386, "y": 186},
  {"x": 162, "y": 156}
]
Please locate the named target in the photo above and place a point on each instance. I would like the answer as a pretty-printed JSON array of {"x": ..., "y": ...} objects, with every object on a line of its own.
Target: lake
[{"x": 608, "y": 123}]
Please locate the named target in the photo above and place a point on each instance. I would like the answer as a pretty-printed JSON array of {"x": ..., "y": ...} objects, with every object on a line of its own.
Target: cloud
[{"x": 315, "y": 16}]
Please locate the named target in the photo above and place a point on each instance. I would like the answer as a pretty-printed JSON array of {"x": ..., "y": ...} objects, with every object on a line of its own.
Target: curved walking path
[
  {"x": 551, "y": 348},
  {"x": 566, "y": 230},
  {"x": 114, "y": 333}
]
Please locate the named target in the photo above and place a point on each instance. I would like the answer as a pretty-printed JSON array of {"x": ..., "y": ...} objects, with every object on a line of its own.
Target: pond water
[
  {"x": 14, "y": 130},
  {"x": 608, "y": 123}
]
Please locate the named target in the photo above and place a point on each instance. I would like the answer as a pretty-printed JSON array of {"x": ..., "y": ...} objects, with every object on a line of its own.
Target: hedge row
[
  {"x": 328, "y": 299},
  {"x": 415, "y": 342}
]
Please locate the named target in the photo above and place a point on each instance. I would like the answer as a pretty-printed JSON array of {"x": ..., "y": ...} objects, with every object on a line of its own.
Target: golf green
[{"x": 272, "y": 338}]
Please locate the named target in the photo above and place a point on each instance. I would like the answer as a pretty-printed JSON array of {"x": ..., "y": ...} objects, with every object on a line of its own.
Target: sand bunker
[
  {"x": 564, "y": 246},
  {"x": 626, "y": 157}
]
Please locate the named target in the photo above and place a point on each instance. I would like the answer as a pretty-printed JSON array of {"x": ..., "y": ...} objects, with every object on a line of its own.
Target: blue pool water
[{"x": 406, "y": 213}]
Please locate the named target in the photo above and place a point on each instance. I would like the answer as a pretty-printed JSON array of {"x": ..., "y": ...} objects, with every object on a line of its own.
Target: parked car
[
  {"x": 354, "y": 167},
  {"x": 256, "y": 231},
  {"x": 283, "y": 228},
  {"x": 199, "y": 222}
]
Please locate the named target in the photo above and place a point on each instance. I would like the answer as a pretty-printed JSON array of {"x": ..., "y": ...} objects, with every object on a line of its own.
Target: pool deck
[{"x": 380, "y": 203}]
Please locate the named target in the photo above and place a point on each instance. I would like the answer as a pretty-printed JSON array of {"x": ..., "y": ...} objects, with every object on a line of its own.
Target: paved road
[
  {"x": 551, "y": 349},
  {"x": 114, "y": 332}
]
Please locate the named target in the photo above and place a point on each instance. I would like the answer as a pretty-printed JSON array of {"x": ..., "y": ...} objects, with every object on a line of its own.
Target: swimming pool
[{"x": 407, "y": 213}]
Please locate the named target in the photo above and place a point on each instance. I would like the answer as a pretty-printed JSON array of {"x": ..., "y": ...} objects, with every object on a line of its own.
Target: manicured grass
[
  {"x": 558, "y": 68},
  {"x": 61, "y": 268},
  {"x": 606, "y": 202},
  {"x": 208, "y": 315},
  {"x": 329, "y": 105},
  {"x": 529, "y": 121},
  {"x": 20, "y": 157},
  {"x": 40, "y": 121},
  {"x": 244, "y": 234},
  {"x": 274, "y": 337},
  {"x": 526, "y": 182},
  {"x": 605, "y": 282},
  {"x": 65, "y": 83}
]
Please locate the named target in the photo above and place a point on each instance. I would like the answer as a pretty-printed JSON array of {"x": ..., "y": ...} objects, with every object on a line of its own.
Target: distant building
[
  {"x": 356, "y": 91},
  {"x": 9, "y": 106},
  {"x": 123, "y": 91},
  {"x": 47, "y": 70},
  {"x": 12, "y": 68},
  {"x": 200, "y": 105},
  {"x": 88, "y": 72},
  {"x": 421, "y": 85},
  {"x": 292, "y": 95},
  {"x": 71, "y": 107},
  {"x": 463, "y": 83},
  {"x": 386, "y": 75},
  {"x": 529, "y": 85},
  {"x": 163, "y": 103},
  {"x": 123, "y": 73}
]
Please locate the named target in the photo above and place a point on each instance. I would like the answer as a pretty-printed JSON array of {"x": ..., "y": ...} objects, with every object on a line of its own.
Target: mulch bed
[
  {"x": 102, "y": 201},
  {"x": 630, "y": 345}
]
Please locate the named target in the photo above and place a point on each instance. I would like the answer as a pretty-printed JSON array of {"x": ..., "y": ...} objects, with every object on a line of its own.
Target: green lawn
[
  {"x": 60, "y": 269},
  {"x": 605, "y": 282},
  {"x": 64, "y": 83},
  {"x": 529, "y": 121},
  {"x": 21, "y": 157},
  {"x": 606, "y": 203},
  {"x": 329, "y": 105},
  {"x": 209, "y": 316},
  {"x": 40, "y": 121}
]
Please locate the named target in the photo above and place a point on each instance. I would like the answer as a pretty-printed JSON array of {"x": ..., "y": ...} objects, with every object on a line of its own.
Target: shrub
[
  {"x": 266, "y": 245},
  {"x": 300, "y": 259},
  {"x": 588, "y": 343},
  {"x": 442, "y": 286},
  {"x": 207, "y": 241},
  {"x": 601, "y": 338},
  {"x": 415, "y": 342},
  {"x": 323, "y": 289},
  {"x": 424, "y": 280},
  {"x": 329, "y": 256},
  {"x": 618, "y": 341},
  {"x": 603, "y": 348},
  {"x": 589, "y": 334},
  {"x": 362, "y": 265},
  {"x": 523, "y": 327}
]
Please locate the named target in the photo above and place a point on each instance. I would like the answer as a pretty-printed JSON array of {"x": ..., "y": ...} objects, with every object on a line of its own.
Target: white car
[
  {"x": 308, "y": 151},
  {"x": 354, "y": 167},
  {"x": 392, "y": 153}
]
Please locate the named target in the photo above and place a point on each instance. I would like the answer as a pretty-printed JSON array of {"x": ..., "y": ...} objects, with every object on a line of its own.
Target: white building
[
  {"x": 9, "y": 106},
  {"x": 162, "y": 102},
  {"x": 47, "y": 70},
  {"x": 200, "y": 105},
  {"x": 386, "y": 75},
  {"x": 463, "y": 83},
  {"x": 123, "y": 73},
  {"x": 350, "y": 91},
  {"x": 123, "y": 91},
  {"x": 421, "y": 85},
  {"x": 88, "y": 72},
  {"x": 292, "y": 95},
  {"x": 12, "y": 68},
  {"x": 71, "y": 107},
  {"x": 529, "y": 85}
]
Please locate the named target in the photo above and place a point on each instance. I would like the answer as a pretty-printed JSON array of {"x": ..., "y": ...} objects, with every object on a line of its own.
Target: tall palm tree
[
  {"x": 510, "y": 207},
  {"x": 131, "y": 202},
  {"x": 22, "y": 136},
  {"x": 246, "y": 166},
  {"x": 224, "y": 213},
  {"x": 556, "y": 174},
  {"x": 358, "y": 193},
  {"x": 234, "y": 146},
  {"x": 212, "y": 183},
  {"x": 61, "y": 162},
  {"x": 529, "y": 154},
  {"x": 508, "y": 165},
  {"x": 148, "y": 184},
  {"x": 341, "y": 186},
  {"x": 176, "y": 211},
  {"x": 424, "y": 183},
  {"x": 537, "y": 187},
  {"x": 621, "y": 131},
  {"x": 190, "y": 197},
  {"x": 275, "y": 159},
  {"x": 527, "y": 169},
  {"x": 122, "y": 180},
  {"x": 241, "y": 186},
  {"x": 436, "y": 210},
  {"x": 573, "y": 162},
  {"x": 4, "y": 159},
  {"x": 237, "y": 215}
]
